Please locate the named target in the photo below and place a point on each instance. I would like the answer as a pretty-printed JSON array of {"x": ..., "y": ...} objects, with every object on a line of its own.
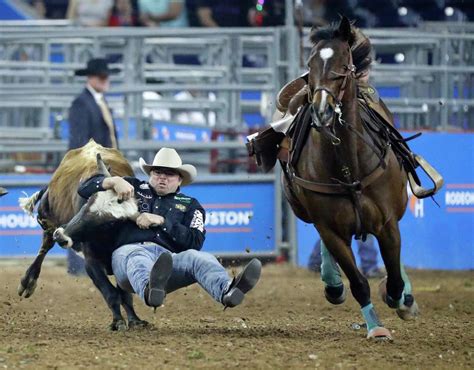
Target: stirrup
[{"x": 419, "y": 191}]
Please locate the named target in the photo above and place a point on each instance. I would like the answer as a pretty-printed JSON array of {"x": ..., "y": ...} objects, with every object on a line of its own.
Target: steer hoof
[
  {"x": 138, "y": 324},
  {"x": 26, "y": 288},
  {"x": 118, "y": 325}
]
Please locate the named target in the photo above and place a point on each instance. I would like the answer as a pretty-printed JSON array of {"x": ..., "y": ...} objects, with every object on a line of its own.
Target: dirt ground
[{"x": 284, "y": 323}]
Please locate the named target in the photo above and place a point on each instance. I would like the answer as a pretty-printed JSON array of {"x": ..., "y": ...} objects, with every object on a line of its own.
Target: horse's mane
[{"x": 360, "y": 44}]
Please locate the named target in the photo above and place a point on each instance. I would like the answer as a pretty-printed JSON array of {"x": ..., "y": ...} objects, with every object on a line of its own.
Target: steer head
[{"x": 102, "y": 208}]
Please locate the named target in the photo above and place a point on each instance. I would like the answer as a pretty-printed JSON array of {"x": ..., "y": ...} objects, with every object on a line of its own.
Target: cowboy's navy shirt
[{"x": 184, "y": 217}]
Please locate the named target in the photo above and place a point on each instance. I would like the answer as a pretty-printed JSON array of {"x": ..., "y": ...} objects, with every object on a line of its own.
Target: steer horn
[
  {"x": 102, "y": 167},
  {"x": 434, "y": 176}
]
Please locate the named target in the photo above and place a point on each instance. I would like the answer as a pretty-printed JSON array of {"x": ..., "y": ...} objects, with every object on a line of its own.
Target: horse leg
[
  {"x": 334, "y": 289},
  {"x": 395, "y": 289},
  {"x": 342, "y": 253},
  {"x": 127, "y": 302},
  {"x": 96, "y": 272},
  {"x": 28, "y": 281}
]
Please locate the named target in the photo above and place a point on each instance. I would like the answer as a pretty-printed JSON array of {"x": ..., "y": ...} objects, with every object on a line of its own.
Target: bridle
[{"x": 328, "y": 128}]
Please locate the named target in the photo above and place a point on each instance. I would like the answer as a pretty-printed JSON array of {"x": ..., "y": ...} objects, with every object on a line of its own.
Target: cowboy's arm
[{"x": 123, "y": 186}]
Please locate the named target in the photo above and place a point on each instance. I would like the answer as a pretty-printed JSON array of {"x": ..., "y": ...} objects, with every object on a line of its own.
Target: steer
[{"x": 58, "y": 204}]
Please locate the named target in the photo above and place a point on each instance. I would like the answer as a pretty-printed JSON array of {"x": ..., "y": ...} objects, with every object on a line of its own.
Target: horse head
[{"x": 330, "y": 67}]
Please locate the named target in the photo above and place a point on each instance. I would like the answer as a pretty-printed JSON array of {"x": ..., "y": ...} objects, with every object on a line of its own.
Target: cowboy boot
[
  {"x": 155, "y": 291},
  {"x": 242, "y": 284}
]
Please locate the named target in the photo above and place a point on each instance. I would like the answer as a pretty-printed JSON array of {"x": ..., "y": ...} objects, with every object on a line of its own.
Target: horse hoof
[
  {"x": 408, "y": 313},
  {"x": 138, "y": 324},
  {"x": 118, "y": 325},
  {"x": 26, "y": 290},
  {"x": 379, "y": 333},
  {"x": 335, "y": 295}
]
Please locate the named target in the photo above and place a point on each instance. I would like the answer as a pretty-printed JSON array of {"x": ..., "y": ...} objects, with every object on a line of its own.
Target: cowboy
[
  {"x": 160, "y": 251},
  {"x": 267, "y": 144}
]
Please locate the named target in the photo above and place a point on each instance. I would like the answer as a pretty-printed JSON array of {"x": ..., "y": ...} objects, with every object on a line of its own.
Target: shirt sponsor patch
[
  {"x": 181, "y": 207},
  {"x": 144, "y": 186},
  {"x": 182, "y": 199},
  {"x": 198, "y": 221}
]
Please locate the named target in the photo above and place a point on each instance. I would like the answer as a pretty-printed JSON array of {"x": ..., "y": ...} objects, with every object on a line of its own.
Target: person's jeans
[
  {"x": 132, "y": 264},
  {"x": 75, "y": 263},
  {"x": 367, "y": 252}
]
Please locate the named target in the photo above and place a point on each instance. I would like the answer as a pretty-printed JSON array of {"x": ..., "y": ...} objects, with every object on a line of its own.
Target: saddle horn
[
  {"x": 102, "y": 167},
  {"x": 419, "y": 191}
]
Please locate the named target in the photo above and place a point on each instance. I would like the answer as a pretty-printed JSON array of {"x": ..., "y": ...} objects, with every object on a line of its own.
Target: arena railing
[{"x": 433, "y": 79}]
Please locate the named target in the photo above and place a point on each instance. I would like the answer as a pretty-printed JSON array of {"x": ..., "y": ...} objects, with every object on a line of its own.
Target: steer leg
[
  {"x": 28, "y": 281},
  {"x": 127, "y": 302},
  {"x": 96, "y": 271},
  {"x": 66, "y": 235}
]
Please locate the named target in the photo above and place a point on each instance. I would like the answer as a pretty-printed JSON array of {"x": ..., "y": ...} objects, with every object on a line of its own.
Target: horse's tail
[{"x": 28, "y": 203}]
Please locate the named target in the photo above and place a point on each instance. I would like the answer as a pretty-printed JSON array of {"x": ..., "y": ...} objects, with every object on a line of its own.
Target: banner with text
[{"x": 239, "y": 219}]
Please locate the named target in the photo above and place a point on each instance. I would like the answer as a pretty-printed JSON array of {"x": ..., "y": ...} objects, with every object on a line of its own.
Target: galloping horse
[{"x": 345, "y": 179}]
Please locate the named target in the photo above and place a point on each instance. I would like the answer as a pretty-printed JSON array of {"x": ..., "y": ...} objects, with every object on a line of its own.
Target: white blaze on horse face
[
  {"x": 325, "y": 54},
  {"x": 322, "y": 103}
]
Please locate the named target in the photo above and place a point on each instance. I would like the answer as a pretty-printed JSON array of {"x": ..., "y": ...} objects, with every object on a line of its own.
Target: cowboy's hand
[
  {"x": 123, "y": 188},
  {"x": 146, "y": 220}
]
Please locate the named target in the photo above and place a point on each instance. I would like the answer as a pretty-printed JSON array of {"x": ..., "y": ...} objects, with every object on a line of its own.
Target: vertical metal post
[{"x": 293, "y": 70}]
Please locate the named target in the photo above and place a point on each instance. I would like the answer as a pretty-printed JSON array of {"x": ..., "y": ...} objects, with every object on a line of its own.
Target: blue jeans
[
  {"x": 132, "y": 264},
  {"x": 367, "y": 253}
]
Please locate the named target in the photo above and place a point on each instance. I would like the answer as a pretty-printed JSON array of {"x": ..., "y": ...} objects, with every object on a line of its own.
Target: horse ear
[
  {"x": 312, "y": 33},
  {"x": 345, "y": 29}
]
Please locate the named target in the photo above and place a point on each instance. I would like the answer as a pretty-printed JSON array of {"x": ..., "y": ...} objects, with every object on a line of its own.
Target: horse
[{"x": 346, "y": 180}]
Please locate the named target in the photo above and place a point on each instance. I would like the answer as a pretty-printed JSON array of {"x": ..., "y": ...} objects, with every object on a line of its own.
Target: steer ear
[{"x": 102, "y": 167}]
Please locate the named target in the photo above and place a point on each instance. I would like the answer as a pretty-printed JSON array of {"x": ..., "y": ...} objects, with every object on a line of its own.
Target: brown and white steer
[{"x": 60, "y": 204}]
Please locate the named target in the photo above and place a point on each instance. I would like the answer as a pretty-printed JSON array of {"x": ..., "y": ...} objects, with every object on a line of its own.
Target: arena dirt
[{"x": 284, "y": 323}]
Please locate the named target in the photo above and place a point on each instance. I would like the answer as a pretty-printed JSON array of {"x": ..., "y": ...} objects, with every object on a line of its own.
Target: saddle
[{"x": 270, "y": 145}]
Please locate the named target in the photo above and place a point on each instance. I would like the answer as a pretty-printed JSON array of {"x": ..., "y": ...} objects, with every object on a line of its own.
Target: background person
[
  {"x": 91, "y": 118},
  {"x": 90, "y": 13},
  {"x": 163, "y": 13}
]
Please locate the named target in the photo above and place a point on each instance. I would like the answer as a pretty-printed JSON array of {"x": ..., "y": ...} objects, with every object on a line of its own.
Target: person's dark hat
[{"x": 96, "y": 67}]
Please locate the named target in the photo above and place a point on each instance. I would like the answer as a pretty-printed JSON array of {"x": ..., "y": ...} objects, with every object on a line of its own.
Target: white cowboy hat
[{"x": 169, "y": 158}]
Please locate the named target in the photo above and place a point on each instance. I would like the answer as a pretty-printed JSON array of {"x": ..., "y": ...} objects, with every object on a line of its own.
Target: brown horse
[{"x": 345, "y": 179}]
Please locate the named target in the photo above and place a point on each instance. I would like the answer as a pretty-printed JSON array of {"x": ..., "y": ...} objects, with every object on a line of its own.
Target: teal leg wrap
[
  {"x": 370, "y": 317},
  {"x": 406, "y": 280},
  {"x": 406, "y": 290},
  {"x": 330, "y": 273}
]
